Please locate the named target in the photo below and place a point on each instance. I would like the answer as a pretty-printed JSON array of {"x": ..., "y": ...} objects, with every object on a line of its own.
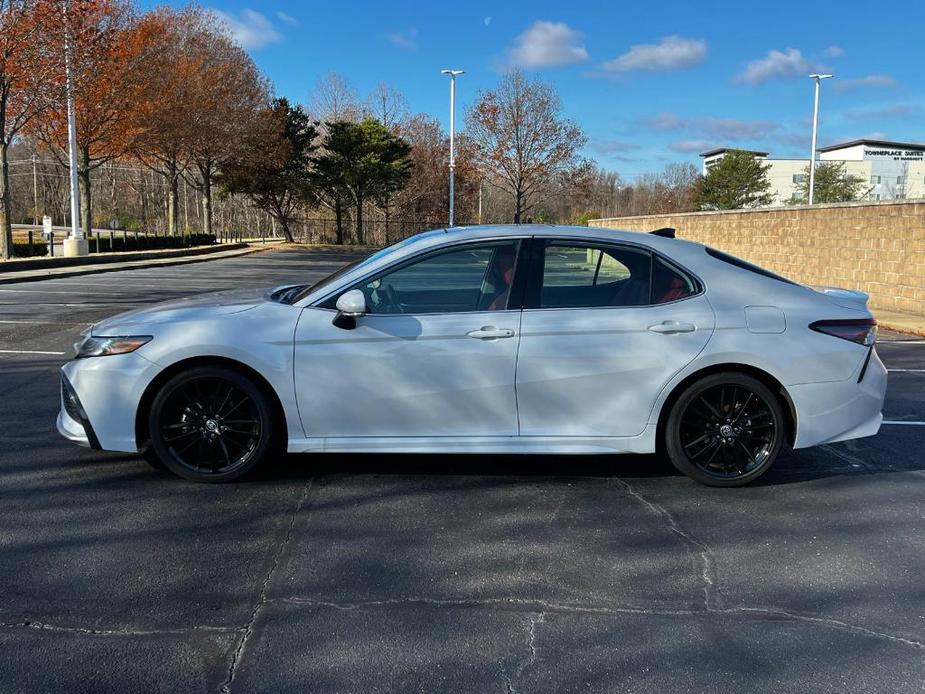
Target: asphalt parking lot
[{"x": 430, "y": 573}]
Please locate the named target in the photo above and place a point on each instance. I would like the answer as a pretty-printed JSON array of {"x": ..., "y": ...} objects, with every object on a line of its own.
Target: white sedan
[{"x": 490, "y": 339}]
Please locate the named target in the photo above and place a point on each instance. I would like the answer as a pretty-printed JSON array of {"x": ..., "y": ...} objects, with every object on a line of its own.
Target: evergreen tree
[
  {"x": 737, "y": 180},
  {"x": 833, "y": 184}
]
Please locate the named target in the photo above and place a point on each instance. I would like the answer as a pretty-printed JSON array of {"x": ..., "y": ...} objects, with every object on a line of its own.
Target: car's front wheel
[
  {"x": 725, "y": 430},
  {"x": 211, "y": 424}
]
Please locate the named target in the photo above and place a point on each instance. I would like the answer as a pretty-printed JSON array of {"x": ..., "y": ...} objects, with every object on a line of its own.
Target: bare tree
[
  {"x": 335, "y": 99},
  {"x": 520, "y": 137},
  {"x": 388, "y": 106}
]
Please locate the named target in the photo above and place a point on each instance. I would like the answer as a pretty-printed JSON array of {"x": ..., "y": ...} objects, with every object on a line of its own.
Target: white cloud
[
  {"x": 404, "y": 39},
  {"x": 287, "y": 18},
  {"x": 876, "y": 135},
  {"x": 671, "y": 53},
  {"x": 713, "y": 128},
  {"x": 778, "y": 65},
  {"x": 545, "y": 44},
  {"x": 614, "y": 146},
  {"x": 689, "y": 146},
  {"x": 249, "y": 28},
  {"x": 833, "y": 52},
  {"x": 861, "y": 82}
]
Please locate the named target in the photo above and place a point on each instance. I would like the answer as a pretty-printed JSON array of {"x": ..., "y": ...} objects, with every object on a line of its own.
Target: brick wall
[{"x": 877, "y": 247}]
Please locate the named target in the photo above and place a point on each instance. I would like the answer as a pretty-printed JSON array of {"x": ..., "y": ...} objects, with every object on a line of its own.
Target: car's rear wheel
[
  {"x": 725, "y": 430},
  {"x": 211, "y": 424}
]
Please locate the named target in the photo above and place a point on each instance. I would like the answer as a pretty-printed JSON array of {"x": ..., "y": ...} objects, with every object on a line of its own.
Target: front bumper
[
  {"x": 107, "y": 391},
  {"x": 73, "y": 422}
]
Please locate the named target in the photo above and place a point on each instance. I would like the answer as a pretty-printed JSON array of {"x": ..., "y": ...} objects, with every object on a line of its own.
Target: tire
[
  {"x": 211, "y": 424},
  {"x": 725, "y": 430},
  {"x": 151, "y": 457}
]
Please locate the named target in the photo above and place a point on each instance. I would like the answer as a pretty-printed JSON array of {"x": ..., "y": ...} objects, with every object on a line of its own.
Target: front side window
[
  {"x": 472, "y": 278},
  {"x": 576, "y": 276}
]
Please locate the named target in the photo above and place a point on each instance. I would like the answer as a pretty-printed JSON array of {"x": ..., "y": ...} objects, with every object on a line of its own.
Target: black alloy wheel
[
  {"x": 725, "y": 430},
  {"x": 210, "y": 424}
]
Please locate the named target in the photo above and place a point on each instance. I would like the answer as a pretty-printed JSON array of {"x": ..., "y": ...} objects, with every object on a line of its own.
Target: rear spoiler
[
  {"x": 664, "y": 232},
  {"x": 847, "y": 298}
]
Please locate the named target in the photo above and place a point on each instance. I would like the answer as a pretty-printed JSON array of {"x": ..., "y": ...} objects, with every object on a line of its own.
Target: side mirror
[{"x": 350, "y": 305}]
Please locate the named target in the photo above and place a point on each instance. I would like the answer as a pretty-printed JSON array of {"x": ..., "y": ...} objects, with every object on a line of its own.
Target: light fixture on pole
[
  {"x": 453, "y": 74},
  {"x": 75, "y": 243},
  {"x": 812, "y": 153}
]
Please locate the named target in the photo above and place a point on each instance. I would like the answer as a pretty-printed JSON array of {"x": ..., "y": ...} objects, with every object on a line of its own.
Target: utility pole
[
  {"x": 480, "y": 202},
  {"x": 812, "y": 153},
  {"x": 453, "y": 74},
  {"x": 75, "y": 243},
  {"x": 35, "y": 190}
]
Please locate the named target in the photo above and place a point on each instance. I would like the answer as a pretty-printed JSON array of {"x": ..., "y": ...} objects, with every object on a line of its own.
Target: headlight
[{"x": 92, "y": 346}]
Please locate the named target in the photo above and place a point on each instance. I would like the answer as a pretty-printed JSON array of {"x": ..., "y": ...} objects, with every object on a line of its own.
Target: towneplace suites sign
[{"x": 895, "y": 154}]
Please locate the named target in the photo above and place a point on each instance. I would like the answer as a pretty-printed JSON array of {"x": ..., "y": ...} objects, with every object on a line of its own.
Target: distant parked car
[{"x": 491, "y": 339}]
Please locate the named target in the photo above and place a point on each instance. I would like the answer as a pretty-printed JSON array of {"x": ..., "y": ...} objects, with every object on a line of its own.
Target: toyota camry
[{"x": 489, "y": 339}]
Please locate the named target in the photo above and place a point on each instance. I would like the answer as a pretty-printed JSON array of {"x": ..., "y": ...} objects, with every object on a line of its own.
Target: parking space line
[
  {"x": 901, "y": 342},
  {"x": 907, "y": 371},
  {"x": 44, "y": 322},
  {"x": 908, "y": 424},
  {"x": 30, "y": 351}
]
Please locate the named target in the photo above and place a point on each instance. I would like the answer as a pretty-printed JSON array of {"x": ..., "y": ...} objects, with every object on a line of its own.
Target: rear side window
[
  {"x": 578, "y": 276},
  {"x": 745, "y": 265},
  {"x": 670, "y": 284}
]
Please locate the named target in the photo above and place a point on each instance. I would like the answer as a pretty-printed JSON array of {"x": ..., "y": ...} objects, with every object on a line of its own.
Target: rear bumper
[{"x": 840, "y": 410}]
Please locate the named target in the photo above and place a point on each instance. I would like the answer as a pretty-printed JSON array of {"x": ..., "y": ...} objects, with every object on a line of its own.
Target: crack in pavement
[
  {"x": 248, "y": 628},
  {"x": 538, "y": 609},
  {"x": 699, "y": 551},
  {"x": 532, "y": 620}
]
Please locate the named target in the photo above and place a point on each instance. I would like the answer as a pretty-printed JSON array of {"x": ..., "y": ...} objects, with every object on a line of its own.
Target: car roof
[{"x": 662, "y": 243}]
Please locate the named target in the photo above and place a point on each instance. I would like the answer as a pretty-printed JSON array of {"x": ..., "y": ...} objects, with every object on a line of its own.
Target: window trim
[
  {"x": 536, "y": 257},
  {"x": 515, "y": 302}
]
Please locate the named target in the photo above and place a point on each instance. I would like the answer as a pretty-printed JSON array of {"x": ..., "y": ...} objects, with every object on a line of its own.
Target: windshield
[{"x": 334, "y": 276}]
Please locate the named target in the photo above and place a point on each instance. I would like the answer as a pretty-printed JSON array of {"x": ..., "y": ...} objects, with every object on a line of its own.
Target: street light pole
[
  {"x": 453, "y": 74},
  {"x": 75, "y": 244},
  {"x": 812, "y": 152}
]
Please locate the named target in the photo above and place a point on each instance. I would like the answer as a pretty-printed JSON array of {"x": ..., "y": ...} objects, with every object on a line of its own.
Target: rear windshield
[{"x": 745, "y": 265}]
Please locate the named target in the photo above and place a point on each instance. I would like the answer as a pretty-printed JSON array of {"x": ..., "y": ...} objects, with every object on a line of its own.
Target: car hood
[{"x": 200, "y": 307}]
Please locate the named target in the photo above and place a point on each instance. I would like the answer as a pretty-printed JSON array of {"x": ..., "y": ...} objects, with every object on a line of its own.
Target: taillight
[{"x": 863, "y": 331}]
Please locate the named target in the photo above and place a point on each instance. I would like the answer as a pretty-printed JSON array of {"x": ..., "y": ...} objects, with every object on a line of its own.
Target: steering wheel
[{"x": 395, "y": 305}]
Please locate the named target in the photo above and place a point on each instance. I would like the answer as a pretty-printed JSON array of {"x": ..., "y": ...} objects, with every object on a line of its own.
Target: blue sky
[{"x": 650, "y": 82}]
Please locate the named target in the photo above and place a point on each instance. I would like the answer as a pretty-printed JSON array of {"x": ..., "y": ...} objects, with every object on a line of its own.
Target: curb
[{"x": 47, "y": 273}]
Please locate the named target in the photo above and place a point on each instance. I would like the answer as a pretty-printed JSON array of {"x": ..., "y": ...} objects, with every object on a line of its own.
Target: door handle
[
  {"x": 669, "y": 327},
  {"x": 490, "y": 332}
]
